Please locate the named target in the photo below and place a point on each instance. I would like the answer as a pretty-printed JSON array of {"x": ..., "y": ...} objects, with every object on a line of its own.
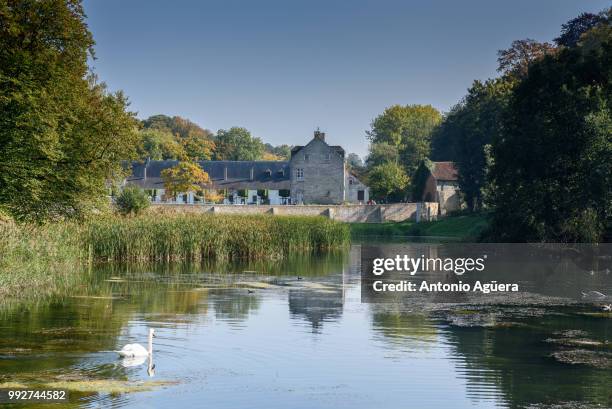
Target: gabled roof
[
  {"x": 336, "y": 148},
  {"x": 444, "y": 171},
  {"x": 224, "y": 174}
]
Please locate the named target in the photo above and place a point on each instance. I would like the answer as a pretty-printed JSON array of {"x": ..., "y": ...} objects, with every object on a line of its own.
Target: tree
[
  {"x": 388, "y": 181},
  {"x": 354, "y": 161},
  {"x": 552, "y": 171},
  {"x": 381, "y": 153},
  {"x": 198, "y": 147},
  {"x": 184, "y": 177},
  {"x": 576, "y": 27},
  {"x": 515, "y": 60},
  {"x": 132, "y": 200},
  {"x": 281, "y": 152},
  {"x": 238, "y": 144},
  {"x": 63, "y": 133},
  {"x": 408, "y": 128},
  {"x": 158, "y": 144},
  {"x": 468, "y": 129},
  {"x": 195, "y": 143}
]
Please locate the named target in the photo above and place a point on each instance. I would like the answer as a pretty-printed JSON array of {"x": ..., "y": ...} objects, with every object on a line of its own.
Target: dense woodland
[{"x": 533, "y": 145}]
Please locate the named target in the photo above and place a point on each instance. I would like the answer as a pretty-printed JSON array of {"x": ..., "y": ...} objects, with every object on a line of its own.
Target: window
[
  {"x": 306, "y": 157},
  {"x": 351, "y": 181},
  {"x": 328, "y": 156},
  {"x": 299, "y": 174},
  {"x": 360, "y": 195}
]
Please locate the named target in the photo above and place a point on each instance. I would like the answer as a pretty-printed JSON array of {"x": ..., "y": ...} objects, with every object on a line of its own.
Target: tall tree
[
  {"x": 576, "y": 27},
  {"x": 409, "y": 129},
  {"x": 468, "y": 129},
  {"x": 159, "y": 144},
  {"x": 381, "y": 153},
  {"x": 238, "y": 144},
  {"x": 552, "y": 170},
  {"x": 63, "y": 134},
  {"x": 515, "y": 60},
  {"x": 196, "y": 142}
]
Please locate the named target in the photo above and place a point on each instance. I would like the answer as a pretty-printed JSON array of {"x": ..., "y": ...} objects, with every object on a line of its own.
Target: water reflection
[{"x": 237, "y": 335}]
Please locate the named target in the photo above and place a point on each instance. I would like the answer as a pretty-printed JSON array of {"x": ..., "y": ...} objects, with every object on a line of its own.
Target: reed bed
[
  {"x": 195, "y": 237},
  {"x": 37, "y": 261}
]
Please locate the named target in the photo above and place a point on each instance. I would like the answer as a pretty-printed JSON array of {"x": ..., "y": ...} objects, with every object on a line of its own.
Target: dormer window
[{"x": 306, "y": 157}]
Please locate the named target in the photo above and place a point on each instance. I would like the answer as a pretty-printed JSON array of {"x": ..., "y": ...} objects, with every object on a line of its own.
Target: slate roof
[
  {"x": 444, "y": 171},
  {"x": 240, "y": 174}
]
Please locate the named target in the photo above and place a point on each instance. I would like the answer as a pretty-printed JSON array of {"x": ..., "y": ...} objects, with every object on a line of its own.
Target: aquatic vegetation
[
  {"x": 196, "y": 237},
  {"x": 107, "y": 386},
  {"x": 37, "y": 260}
]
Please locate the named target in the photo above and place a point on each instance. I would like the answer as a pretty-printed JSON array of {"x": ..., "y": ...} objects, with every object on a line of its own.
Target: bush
[{"x": 132, "y": 200}]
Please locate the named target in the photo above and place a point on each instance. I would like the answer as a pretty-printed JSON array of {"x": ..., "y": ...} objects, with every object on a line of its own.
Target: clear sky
[{"x": 280, "y": 68}]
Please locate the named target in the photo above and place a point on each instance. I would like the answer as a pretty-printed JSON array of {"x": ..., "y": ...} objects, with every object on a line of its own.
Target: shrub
[{"x": 132, "y": 200}]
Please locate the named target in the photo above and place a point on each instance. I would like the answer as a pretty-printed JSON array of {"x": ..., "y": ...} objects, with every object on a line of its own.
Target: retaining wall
[{"x": 395, "y": 212}]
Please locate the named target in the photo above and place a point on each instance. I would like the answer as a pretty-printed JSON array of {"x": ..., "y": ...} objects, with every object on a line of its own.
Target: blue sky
[{"x": 282, "y": 68}]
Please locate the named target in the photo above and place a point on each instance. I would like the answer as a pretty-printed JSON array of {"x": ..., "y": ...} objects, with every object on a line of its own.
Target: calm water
[{"x": 288, "y": 343}]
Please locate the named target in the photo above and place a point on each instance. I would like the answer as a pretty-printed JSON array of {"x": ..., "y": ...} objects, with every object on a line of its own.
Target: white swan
[
  {"x": 607, "y": 308},
  {"x": 137, "y": 350}
]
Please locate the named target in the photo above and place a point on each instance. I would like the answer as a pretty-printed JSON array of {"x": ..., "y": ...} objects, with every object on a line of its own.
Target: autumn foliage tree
[{"x": 185, "y": 177}]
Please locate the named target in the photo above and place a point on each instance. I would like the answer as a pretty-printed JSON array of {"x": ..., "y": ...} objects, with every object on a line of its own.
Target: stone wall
[
  {"x": 323, "y": 174},
  {"x": 396, "y": 212}
]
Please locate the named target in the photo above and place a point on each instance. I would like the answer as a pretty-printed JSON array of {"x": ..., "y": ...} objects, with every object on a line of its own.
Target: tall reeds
[
  {"x": 40, "y": 260},
  {"x": 196, "y": 237}
]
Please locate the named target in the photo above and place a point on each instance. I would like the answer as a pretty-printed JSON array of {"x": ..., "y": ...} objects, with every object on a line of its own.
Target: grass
[
  {"x": 463, "y": 227},
  {"x": 196, "y": 237},
  {"x": 36, "y": 261}
]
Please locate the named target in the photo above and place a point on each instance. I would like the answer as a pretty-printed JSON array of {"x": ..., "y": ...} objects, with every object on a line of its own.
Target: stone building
[
  {"x": 441, "y": 186},
  {"x": 316, "y": 173}
]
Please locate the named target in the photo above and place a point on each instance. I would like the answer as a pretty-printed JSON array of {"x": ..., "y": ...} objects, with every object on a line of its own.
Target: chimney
[
  {"x": 252, "y": 173},
  {"x": 319, "y": 135},
  {"x": 225, "y": 173},
  {"x": 146, "y": 164}
]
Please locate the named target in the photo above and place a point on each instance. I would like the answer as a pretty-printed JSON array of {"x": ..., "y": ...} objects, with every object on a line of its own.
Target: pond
[{"x": 294, "y": 334}]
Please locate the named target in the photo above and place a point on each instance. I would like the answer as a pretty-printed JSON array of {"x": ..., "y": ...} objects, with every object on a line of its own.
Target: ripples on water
[{"x": 289, "y": 343}]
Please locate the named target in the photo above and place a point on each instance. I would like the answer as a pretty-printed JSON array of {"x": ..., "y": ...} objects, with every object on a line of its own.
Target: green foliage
[
  {"x": 38, "y": 260},
  {"x": 552, "y": 169},
  {"x": 467, "y": 129},
  {"x": 177, "y": 126},
  {"x": 380, "y": 153},
  {"x": 408, "y": 128},
  {"x": 196, "y": 237},
  {"x": 158, "y": 144},
  {"x": 572, "y": 31},
  {"x": 41, "y": 260},
  {"x": 238, "y": 144},
  {"x": 388, "y": 182},
  {"x": 132, "y": 200},
  {"x": 465, "y": 228},
  {"x": 63, "y": 135},
  {"x": 282, "y": 152},
  {"x": 167, "y": 137}
]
